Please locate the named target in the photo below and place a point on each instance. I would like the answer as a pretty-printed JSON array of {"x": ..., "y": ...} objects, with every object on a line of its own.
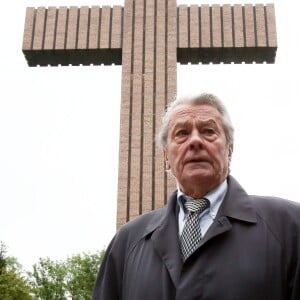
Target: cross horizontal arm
[
  {"x": 74, "y": 35},
  {"x": 226, "y": 33},
  {"x": 205, "y": 34}
]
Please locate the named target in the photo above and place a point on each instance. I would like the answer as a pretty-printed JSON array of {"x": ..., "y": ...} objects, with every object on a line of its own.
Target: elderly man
[{"x": 212, "y": 240}]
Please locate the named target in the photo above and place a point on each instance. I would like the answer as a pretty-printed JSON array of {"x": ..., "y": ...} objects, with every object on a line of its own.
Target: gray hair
[{"x": 202, "y": 99}]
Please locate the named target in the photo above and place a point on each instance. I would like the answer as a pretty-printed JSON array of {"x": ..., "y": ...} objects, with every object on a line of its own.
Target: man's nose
[{"x": 195, "y": 140}]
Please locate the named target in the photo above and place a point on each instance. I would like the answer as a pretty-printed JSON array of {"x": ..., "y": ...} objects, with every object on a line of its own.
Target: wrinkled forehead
[{"x": 201, "y": 112}]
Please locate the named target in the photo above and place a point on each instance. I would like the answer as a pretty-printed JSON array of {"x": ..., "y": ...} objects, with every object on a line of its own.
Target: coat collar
[
  {"x": 237, "y": 203},
  {"x": 164, "y": 216}
]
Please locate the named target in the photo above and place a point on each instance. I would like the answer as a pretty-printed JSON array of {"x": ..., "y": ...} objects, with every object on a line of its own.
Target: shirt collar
[{"x": 215, "y": 197}]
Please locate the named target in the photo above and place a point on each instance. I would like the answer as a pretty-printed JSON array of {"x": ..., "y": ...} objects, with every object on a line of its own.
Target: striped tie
[{"x": 191, "y": 234}]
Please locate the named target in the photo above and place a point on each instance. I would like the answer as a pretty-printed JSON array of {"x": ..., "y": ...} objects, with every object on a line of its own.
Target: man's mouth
[{"x": 197, "y": 160}]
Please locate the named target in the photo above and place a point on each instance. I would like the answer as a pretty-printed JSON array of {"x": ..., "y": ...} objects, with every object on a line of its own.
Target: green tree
[
  {"x": 71, "y": 279},
  {"x": 48, "y": 280},
  {"x": 3, "y": 251},
  {"x": 13, "y": 284},
  {"x": 82, "y": 272}
]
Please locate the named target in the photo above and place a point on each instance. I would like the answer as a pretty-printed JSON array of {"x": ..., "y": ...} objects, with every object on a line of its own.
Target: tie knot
[{"x": 197, "y": 206}]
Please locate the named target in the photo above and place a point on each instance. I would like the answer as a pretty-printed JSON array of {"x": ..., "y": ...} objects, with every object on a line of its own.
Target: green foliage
[
  {"x": 3, "y": 251},
  {"x": 13, "y": 285},
  {"x": 82, "y": 271},
  {"x": 71, "y": 279},
  {"x": 48, "y": 280}
]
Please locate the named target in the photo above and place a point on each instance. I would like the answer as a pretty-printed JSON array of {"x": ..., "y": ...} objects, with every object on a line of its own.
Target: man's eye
[
  {"x": 208, "y": 131},
  {"x": 182, "y": 132}
]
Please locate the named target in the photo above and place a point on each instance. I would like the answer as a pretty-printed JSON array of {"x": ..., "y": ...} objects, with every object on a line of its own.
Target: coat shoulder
[
  {"x": 274, "y": 206},
  {"x": 282, "y": 216},
  {"x": 141, "y": 226}
]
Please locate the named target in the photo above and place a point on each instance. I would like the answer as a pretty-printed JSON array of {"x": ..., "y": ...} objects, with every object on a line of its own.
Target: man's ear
[
  {"x": 167, "y": 164},
  {"x": 230, "y": 150}
]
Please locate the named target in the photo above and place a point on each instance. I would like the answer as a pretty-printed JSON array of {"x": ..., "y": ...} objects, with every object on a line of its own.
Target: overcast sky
[{"x": 59, "y": 131}]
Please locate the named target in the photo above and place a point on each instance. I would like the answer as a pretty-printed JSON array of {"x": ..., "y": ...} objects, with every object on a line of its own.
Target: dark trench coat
[{"x": 251, "y": 252}]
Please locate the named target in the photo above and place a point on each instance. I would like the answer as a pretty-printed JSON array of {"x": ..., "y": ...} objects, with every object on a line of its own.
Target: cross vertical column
[{"x": 148, "y": 83}]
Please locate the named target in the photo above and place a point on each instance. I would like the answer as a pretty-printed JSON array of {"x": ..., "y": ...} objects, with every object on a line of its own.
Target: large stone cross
[{"x": 148, "y": 37}]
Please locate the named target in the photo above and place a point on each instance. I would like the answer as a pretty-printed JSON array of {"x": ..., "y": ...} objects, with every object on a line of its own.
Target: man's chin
[
  {"x": 198, "y": 169},
  {"x": 200, "y": 177}
]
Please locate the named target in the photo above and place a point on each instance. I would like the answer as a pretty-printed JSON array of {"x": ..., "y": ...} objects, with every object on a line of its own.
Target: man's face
[{"x": 197, "y": 151}]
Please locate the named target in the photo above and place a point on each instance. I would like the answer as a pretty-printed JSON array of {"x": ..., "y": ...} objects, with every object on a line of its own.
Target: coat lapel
[
  {"x": 165, "y": 240},
  {"x": 236, "y": 205}
]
